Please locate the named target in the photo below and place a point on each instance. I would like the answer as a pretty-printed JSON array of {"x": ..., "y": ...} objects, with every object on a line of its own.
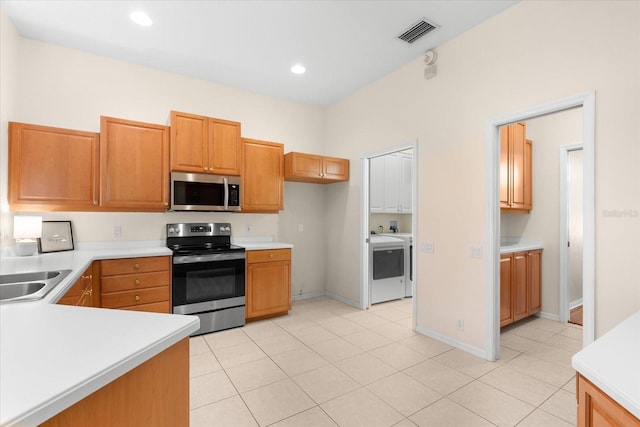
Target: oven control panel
[{"x": 199, "y": 229}]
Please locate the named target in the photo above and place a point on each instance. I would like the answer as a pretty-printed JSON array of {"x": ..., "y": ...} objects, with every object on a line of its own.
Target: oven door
[{"x": 208, "y": 282}]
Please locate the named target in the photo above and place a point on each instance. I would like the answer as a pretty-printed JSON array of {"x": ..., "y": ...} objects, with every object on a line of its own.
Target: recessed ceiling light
[
  {"x": 141, "y": 18},
  {"x": 298, "y": 69}
]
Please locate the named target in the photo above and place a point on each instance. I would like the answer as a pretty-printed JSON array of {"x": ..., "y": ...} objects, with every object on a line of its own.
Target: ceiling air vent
[{"x": 416, "y": 31}]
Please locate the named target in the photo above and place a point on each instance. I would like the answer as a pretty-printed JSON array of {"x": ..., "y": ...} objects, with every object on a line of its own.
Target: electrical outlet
[
  {"x": 460, "y": 324},
  {"x": 117, "y": 231},
  {"x": 248, "y": 228}
]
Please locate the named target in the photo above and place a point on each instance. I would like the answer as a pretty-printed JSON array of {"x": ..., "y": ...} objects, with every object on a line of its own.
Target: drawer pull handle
[
  {"x": 136, "y": 266},
  {"x": 270, "y": 255},
  {"x": 137, "y": 282},
  {"x": 137, "y": 298}
]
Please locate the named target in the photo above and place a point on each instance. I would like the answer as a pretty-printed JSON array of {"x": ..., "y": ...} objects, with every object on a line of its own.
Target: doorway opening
[
  {"x": 394, "y": 217},
  {"x": 492, "y": 185},
  {"x": 571, "y": 229}
]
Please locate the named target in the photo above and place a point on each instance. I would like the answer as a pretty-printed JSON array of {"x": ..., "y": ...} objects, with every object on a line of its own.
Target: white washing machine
[
  {"x": 386, "y": 268},
  {"x": 408, "y": 262}
]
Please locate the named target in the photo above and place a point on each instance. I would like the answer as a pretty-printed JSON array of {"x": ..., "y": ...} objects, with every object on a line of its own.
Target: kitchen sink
[{"x": 29, "y": 286}]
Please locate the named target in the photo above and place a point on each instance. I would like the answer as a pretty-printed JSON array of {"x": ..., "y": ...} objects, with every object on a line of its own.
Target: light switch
[
  {"x": 475, "y": 251},
  {"x": 427, "y": 246}
]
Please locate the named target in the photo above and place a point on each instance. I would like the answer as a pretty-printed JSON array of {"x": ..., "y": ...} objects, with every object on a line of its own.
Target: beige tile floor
[{"x": 328, "y": 364}]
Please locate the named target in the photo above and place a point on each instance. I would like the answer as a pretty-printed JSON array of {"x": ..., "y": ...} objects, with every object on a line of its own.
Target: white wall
[
  {"x": 531, "y": 54},
  {"x": 55, "y": 86}
]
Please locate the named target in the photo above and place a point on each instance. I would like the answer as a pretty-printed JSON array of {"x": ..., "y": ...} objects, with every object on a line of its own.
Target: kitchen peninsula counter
[
  {"x": 611, "y": 364},
  {"x": 52, "y": 356}
]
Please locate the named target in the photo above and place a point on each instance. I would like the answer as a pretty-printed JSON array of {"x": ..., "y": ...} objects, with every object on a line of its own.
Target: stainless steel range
[{"x": 208, "y": 275}]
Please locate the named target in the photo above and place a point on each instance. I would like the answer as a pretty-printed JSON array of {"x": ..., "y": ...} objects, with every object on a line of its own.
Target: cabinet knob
[
  {"x": 137, "y": 298},
  {"x": 86, "y": 277},
  {"x": 136, "y": 266},
  {"x": 271, "y": 255},
  {"x": 95, "y": 203},
  {"x": 137, "y": 282}
]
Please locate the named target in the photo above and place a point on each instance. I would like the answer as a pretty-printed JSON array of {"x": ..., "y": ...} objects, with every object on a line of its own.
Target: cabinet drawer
[
  {"x": 268, "y": 255},
  {"x": 113, "y": 267},
  {"x": 136, "y": 297},
  {"x": 154, "y": 307},
  {"x": 130, "y": 282}
]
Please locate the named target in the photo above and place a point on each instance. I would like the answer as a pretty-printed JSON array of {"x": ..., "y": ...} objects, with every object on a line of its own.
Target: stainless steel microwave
[{"x": 203, "y": 192}]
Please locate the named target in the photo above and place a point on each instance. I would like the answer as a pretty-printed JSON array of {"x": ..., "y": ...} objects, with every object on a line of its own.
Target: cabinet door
[
  {"x": 597, "y": 409},
  {"x": 134, "y": 160},
  {"x": 506, "y": 314},
  {"x": 268, "y": 288},
  {"x": 519, "y": 165},
  {"x": 391, "y": 179},
  {"x": 263, "y": 176},
  {"x": 52, "y": 169},
  {"x": 519, "y": 286},
  {"x": 534, "y": 276},
  {"x": 306, "y": 167},
  {"x": 225, "y": 151},
  {"x": 405, "y": 184},
  {"x": 81, "y": 293},
  {"x": 335, "y": 169},
  {"x": 505, "y": 168},
  {"x": 376, "y": 184},
  {"x": 189, "y": 142}
]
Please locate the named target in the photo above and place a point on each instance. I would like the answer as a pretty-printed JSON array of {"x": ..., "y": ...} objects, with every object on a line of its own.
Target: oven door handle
[
  {"x": 192, "y": 259},
  {"x": 226, "y": 193}
]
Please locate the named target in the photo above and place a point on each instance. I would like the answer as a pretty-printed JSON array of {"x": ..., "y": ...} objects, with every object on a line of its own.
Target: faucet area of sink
[{"x": 29, "y": 286}]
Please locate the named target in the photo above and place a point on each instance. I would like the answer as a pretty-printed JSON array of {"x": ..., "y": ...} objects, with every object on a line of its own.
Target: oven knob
[
  {"x": 172, "y": 230},
  {"x": 227, "y": 228}
]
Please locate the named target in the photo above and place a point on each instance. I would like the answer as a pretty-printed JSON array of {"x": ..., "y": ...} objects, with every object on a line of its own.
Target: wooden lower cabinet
[
  {"x": 268, "y": 291},
  {"x": 597, "y": 409},
  {"x": 142, "y": 284},
  {"x": 156, "y": 393},
  {"x": 84, "y": 292},
  {"x": 520, "y": 285}
]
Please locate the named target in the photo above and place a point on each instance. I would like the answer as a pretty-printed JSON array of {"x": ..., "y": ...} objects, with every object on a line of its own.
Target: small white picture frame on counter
[{"x": 56, "y": 237}]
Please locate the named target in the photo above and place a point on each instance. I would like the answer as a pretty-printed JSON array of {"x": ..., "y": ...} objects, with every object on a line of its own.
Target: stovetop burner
[{"x": 200, "y": 238}]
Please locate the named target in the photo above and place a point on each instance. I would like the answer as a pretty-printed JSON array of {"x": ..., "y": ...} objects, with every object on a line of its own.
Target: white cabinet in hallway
[{"x": 390, "y": 185}]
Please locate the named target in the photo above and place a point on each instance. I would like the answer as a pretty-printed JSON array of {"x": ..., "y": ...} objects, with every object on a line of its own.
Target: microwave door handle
[{"x": 226, "y": 193}]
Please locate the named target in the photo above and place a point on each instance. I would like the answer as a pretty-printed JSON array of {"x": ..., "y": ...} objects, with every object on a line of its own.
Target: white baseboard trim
[
  {"x": 307, "y": 295},
  {"x": 454, "y": 343},
  {"x": 574, "y": 304},
  {"x": 549, "y": 316},
  {"x": 342, "y": 299}
]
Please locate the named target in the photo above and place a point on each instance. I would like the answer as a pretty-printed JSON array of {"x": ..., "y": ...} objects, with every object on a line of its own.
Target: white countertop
[
  {"x": 52, "y": 356},
  {"x": 510, "y": 245},
  {"x": 260, "y": 243},
  {"x": 611, "y": 363}
]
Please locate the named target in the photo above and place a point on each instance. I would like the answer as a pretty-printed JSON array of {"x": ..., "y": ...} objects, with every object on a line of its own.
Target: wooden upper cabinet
[
  {"x": 134, "y": 164},
  {"x": 53, "y": 169},
  {"x": 515, "y": 169},
  {"x": 303, "y": 167},
  {"x": 262, "y": 188},
  {"x": 205, "y": 145}
]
